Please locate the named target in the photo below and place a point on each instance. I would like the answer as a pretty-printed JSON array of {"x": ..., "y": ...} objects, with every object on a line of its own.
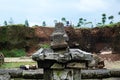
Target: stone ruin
[
  {"x": 1, "y": 58},
  {"x": 59, "y": 62}
]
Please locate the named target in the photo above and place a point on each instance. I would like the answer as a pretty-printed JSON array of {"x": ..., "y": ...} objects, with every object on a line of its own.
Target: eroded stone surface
[
  {"x": 4, "y": 76},
  {"x": 59, "y": 37},
  {"x": 60, "y": 62},
  {"x": 73, "y": 54}
]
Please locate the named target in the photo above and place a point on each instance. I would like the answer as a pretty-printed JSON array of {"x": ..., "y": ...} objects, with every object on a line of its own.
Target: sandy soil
[{"x": 112, "y": 61}]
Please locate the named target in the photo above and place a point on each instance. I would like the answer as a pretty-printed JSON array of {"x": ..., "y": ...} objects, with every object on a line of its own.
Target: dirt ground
[
  {"x": 112, "y": 61},
  {"x": 19, "y": 59}
]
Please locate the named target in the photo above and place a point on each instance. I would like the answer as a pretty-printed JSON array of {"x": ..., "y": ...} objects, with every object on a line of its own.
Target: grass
[
  {"x": 14, "y": 53},
  {"x": 16, "y": 64},
  {"x": 45, "y": 46}
]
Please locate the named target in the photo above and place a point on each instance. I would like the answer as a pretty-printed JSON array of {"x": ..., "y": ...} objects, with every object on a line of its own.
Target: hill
[{"x": 30, "y": 39}]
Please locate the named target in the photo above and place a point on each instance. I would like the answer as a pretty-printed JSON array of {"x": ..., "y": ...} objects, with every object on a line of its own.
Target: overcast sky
[{"x": 37, "y": 11}]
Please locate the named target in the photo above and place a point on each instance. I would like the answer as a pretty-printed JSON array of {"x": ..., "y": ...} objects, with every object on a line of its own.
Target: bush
[{"x": 14, "y": 53}]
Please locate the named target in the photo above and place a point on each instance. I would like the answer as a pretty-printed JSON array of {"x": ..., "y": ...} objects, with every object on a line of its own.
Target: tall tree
[
  {"x": 44, "y": 23},
  {"x": 26, "y": 23},
  {"x": 103, "y": 18},
  {"x": 80, "y": 22},
  {"x": 5, "y": 23}
]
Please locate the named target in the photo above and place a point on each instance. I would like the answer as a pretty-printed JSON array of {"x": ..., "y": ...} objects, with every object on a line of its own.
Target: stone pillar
[
  {"x": 48, "y": 74},
  {"x": 62, "y": 74},
  {"x": 67, "y": 71}
]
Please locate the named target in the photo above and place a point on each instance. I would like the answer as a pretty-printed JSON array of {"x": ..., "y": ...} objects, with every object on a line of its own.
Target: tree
[
  {"x": 67, "y": 23},
  {"x": 111, "y": 18},
  {"x": 11, "y": 21},
  {"x": 44, "y": 23},
  {"x": 103, "y": 18},
  {"x": 99, "y": 24},
  {"x": 89, "y": 23},
  {"x": 118, "y": 13},
  {"x": 63, "y": 19},
  {"x": 84, "y": 22},
  {"x": 5, "y": 23},
  {"x": 26, "y": 23},
  {"x": 78, "y": 25},
  {"x": 55, "y": 21},
  {"x": 80, "y": 22}
]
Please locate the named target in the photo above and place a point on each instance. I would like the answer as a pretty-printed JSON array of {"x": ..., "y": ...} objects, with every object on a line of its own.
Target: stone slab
[{"x": 76, "y": 65}]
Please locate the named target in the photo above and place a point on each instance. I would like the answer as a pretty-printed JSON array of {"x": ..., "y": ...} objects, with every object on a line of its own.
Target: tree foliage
[
  {"x": 26, "y": 23},
  {"x": 111, "y": 18},
  {"x": 5, "y": 23},
  {"x": 103, "y": 18},
  {"x": 44, "y": 23},
  {"x": 16, "y": 36}
]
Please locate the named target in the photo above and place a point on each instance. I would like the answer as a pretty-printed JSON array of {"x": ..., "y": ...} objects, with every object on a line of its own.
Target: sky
[{"x": 37, "y": 11}]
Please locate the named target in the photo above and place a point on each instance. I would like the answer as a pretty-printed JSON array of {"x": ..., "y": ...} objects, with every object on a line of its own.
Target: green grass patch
[
  {"x": 45, "y": 46},
  {"x": 14, "y": 53},
  {"x": 16, "y": 64}
]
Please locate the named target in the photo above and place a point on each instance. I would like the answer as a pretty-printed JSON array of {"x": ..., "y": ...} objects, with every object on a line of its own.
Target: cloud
[
  {"x": 92, "y": 5},
  {"x": 37, "y": 11}
]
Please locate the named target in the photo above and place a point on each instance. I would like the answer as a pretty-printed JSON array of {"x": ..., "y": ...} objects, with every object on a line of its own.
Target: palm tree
[
  {"x": 80, "y": 22},
  {"x": 103, "y": 18}
]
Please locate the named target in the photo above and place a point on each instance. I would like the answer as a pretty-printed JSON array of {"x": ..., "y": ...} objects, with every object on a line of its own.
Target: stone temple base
[{"x": 62, "y": 74}]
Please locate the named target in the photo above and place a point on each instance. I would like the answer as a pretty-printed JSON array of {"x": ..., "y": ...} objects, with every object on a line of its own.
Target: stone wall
[{"x": 86, "y": 74}]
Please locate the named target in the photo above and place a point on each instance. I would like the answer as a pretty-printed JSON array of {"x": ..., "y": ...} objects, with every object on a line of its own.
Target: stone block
[
  {"x": 76, "y": 65},
  {"x": 5, "y": 77},
  {"x": 57, "y": 66}
]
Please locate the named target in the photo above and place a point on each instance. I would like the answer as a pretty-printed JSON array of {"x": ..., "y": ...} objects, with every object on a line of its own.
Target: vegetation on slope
[{"x": 19, "y": 38}]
